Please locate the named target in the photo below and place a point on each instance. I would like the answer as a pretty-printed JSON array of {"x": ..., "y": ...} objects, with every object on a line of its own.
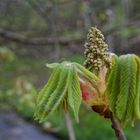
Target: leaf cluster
[
  {"x": 62, "y": 90},
  {"x": 123, "y": 88}
]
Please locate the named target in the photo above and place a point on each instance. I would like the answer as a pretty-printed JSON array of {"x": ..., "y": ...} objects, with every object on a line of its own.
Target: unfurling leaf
[
  {"x": 125, "y": 83},
  {"x": 113, "y": 84},
  {"x": 86, "y": 73},
  {"x": 62, "y": 87},
  {"x": 137, "y": 99},
  {"x": 74, "y": 93},
  {"x": 123, "y": 88},
  {"x": 44, "y": 94}
]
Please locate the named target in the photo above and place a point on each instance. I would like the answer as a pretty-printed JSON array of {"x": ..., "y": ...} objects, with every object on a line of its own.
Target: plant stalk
[
  {"x": 109, "y": 115},
  {"x": 118, "y": 130},
  {"x": 69, "y": 127}
]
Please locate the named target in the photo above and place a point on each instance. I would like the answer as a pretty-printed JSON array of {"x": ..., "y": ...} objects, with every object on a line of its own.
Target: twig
[
  {"x": 118, "y": 131},
  {"x": 109, "y": 115}
]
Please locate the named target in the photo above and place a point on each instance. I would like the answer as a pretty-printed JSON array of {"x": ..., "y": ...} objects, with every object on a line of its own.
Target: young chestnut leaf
[
  {"x": 137, "y": 99},
  {"x": 63, "y": 86},
  {"x": 74, "y": 93},
  {"x": 46, "y": 91},
  {"x": 123, "y": 88}
]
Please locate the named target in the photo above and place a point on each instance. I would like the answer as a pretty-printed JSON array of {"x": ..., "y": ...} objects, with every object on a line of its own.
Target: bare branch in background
[
  {"x": 10, "y": 36},
  {"x": 18, "y": 38}
]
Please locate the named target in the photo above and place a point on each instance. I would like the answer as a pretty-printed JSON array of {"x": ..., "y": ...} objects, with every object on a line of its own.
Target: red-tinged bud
[
  {"x": 89, "y": 94},
  {"x": 94, "y": 94},
  {"x": 92, "y": 99},
  {"x": 86, "y": 94}
]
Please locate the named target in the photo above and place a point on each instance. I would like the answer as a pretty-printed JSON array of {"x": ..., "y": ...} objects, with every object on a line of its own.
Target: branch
[
  {"x": 118, "y": 131},
  {"x": 109, "y": 115},
  {"x": 14, "y": 37},
  {"x": 11, "y": 36}
]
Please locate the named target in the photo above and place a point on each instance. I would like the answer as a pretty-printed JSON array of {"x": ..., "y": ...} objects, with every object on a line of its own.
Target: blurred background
[{"x": 36, "y": 32}]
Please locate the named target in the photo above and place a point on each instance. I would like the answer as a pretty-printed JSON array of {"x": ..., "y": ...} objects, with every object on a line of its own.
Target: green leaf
[
  {"x": 86, "y": 73},
  {"x": 137, "y": 99},
  {"x": 45, "y": 93},
  {"x": 52, "y": 80},
  {"x": 132, "y": 89},
  {"x": 53, "y": 65},
  {"x": 121, "y": 103},
  {"x": 57, "y": 95},
  {"x": 113, "y": 84},
  {"x": 123, "y": 88},
  {"x": 62, "y": 85},
  {"x": 74, "y": 93}
]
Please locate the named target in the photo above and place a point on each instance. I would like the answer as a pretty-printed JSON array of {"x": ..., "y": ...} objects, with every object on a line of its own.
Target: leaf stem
[{"x": 69, "y": 127}]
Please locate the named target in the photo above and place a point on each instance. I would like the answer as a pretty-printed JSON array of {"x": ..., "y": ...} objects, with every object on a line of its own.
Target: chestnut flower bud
[{"x": 96, "y": 49}]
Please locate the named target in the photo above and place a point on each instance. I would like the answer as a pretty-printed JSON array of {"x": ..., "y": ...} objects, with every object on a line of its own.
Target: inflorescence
[{"x": 96, "y": 50}]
